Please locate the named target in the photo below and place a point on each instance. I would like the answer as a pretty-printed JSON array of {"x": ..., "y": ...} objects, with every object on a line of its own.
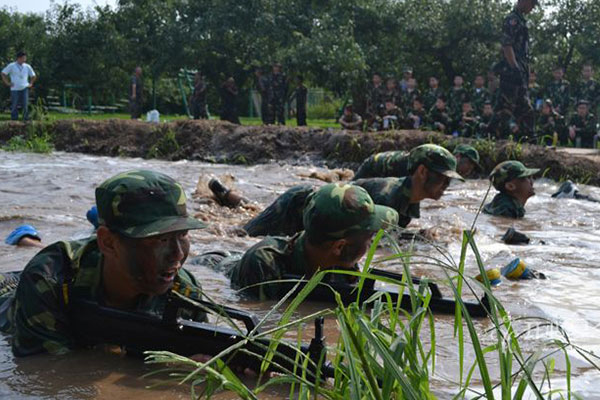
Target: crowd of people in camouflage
[{"x": 559, "y": 107}]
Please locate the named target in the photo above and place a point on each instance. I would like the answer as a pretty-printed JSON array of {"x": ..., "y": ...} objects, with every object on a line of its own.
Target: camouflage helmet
[
  {"x": 435, "y": 158},
  {"x": 468, "y": 151},
  {"x": 142, "y": 203},
  {"x": 509, "y": 170},
  {"x": 337, "y": 210}
]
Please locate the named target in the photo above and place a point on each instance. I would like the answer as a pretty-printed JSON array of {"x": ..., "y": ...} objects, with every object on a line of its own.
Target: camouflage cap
[
  {"x": 509, "y": 170},
  {"x": 468, "y": 151},
  {"x": 339, "y": 209},
  {"x": 435, "y": 158},
  {"x": 142, "y": 203}
]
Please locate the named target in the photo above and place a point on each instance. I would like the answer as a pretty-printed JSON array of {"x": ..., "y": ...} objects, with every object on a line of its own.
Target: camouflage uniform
[
  {"x": 535, "y": 95},
  {"x": 430, "y": 97},
  {"x": 278, "y": 88},
  {"x": 391, "y": 192},
  {"x": 381, "y": 165},
  {"x": 395, "y": 193},
  {"x": 547, "y": 125},
  {"x": 262, "y": 85},
  {"x": 585, "y": 128},
  {"x": 467, "y": 124},
  {"x": 392, "y": 118},
  {"x": 560, "y": 94},
  {"x": 409, "y": 97},
  {"x": 513, "y": 101},
  {"x": 503, "y": 204},
  {"x": 284, "y": 216},
  {"x": 335, "y": 211},
  {"x": 198, "y": 100},
  {"x": 375, "y": 97},
  {"x": 436, "y": 117},
  {"x": 410, "y": 123},
  {"x": 136, "y": 204},
  {"x": 456, "y": 97},
  {"x": 393, "y": 95},
  {"x": 482, "y": 125},
  {"x": 589, "y": 91},
  {"x": 470, "y": 152},
  {"x": 479, "y": 96}
]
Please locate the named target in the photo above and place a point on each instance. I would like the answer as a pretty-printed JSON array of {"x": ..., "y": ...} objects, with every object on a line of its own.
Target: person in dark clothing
[
  {"x": 278, "y": 86},
  {"x": 513, "y": 101},
  {"x": 300, "y": 95},
  {"x": 229, "y": 93},
  {"x": 262, "y": 85},
  {"x": 198, "y": 99},
  {"x": 136, "y": 94}
]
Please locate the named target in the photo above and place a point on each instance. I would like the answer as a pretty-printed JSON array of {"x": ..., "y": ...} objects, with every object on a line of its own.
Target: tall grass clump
[{"x": 386, "y": 352}]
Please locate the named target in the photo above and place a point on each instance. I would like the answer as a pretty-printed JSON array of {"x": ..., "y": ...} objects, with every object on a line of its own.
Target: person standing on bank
[
  {"x": 513, "y": 101},
  {"x": 22, "y": 78},
  {"x": 136, "y": 94}
]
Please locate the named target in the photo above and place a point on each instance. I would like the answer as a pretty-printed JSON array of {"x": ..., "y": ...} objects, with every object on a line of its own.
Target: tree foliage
[{"x": 335, "y": 44}]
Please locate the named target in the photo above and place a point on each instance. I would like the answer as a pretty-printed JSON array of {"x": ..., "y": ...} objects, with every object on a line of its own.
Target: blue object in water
[
  {"x": 92, "y": 216},
  {"x": 20, "y": 232}
]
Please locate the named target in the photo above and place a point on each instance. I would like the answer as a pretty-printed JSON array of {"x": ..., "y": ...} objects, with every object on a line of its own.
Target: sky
[{"x": 40, "y": 6}]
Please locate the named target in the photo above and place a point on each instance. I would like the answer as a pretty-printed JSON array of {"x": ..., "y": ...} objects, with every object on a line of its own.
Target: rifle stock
[{"x": 137, "y": 332}]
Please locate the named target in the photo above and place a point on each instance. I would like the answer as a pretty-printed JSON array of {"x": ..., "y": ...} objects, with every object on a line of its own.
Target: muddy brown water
[{"x": 54, "y": 191}]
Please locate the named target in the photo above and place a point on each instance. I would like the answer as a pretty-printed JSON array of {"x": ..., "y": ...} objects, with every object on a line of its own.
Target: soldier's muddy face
[{"x": 154, "y": 261}]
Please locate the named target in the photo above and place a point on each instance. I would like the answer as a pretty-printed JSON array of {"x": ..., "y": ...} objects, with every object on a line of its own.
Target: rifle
[
  {"x": 348, "y": 293},
  {"x": 138, "y": 332}
]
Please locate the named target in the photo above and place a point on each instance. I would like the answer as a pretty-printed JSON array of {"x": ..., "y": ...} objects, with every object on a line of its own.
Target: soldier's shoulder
[{"x": 52, "y": 260}]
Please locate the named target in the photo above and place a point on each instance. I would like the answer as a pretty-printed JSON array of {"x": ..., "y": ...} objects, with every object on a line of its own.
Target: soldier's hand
[{"x": 572, "y": 132}]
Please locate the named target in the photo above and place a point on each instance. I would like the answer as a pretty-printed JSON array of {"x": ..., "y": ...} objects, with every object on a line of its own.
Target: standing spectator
[
  {"x": 198, "y": 99},
  {"x": 278, "y": 94},
  {"x": 262, "y": 85},
  {"x": 22, "y": 77},
  {"x": 512, "y": 101},
  {"x": 559, "y": 91},
  {"x": 588, "y": 89},
  {"x": 136, "y": 94},
  {"x": 300, "y": 95},
  {"x": 229, "y": 93}
]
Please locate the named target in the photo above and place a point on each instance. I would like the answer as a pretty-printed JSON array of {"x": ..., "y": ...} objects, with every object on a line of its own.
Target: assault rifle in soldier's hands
[
  {"x": 348, "y": 292},
  {"x": 138, "y": 332}
]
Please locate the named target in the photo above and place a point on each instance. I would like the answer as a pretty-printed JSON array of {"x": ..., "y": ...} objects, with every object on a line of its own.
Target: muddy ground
[{"x": 222, "y": 142}]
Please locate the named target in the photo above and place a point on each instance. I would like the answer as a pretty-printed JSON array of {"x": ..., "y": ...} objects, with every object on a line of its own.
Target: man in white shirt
[{"x": 21, "y": 79}]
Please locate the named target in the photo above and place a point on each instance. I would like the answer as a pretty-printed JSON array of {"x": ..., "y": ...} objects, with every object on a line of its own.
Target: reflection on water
[{"x": 53, "y": 192}]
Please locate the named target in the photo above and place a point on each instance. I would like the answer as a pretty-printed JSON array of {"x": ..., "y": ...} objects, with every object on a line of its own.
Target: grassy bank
[
  {"x": 56, "y": 116},
  {"x": 222, "y": 142}
]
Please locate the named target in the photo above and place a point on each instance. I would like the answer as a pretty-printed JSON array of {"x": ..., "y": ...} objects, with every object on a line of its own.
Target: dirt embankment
[{"x": 217, "y": 141}]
